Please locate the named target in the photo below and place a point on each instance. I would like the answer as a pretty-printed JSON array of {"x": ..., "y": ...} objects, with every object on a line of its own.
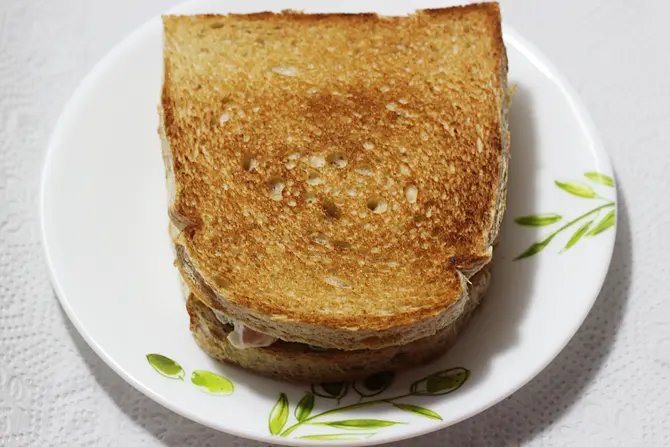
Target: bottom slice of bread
[{"x": 297, "y": 362}]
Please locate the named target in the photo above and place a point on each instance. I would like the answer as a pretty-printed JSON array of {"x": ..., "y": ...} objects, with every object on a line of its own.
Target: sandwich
[{"x": 336, "y": 183}]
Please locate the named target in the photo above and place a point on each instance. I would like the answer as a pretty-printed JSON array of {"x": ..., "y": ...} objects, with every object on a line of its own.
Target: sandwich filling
[{"x": 243, "y": 337}]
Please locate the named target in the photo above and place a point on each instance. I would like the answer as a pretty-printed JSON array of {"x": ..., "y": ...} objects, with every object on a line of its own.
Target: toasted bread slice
[
  {"x": 300, "y": 363},
  {"x": 336, "y": 179}
]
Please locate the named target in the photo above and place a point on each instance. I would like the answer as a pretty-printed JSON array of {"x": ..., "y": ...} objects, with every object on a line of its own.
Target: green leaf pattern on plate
[
  {"x": 538, "y": 220},
  {"x": 535, "y": 248},
  {"x": 577, "y": 190},
  {"x": 581, "y": 231},
  {"x": 332, "y": 390},
  {"x": 339, "y": 436},
  {"x": 279, "y": 415},
  {"x": 375, "y": 384},
  {"x": 586, "y": 227},
  {"x": 305, "y": 407},
  {"x": 420, "y": 411},
  {"x": 212, "y": 383},
  {"x": 207, "y": 381},
  {"x": 359, "y": 424},
  {"x": 606, "y": 222},
  {"x": 600, "y": 178},
  {"x": 436, "y": 384},
  {"x": 166, "y": 367},
  {"x": 439, "y": 383}
]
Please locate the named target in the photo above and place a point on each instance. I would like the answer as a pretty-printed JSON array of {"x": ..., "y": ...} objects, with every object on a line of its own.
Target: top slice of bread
[{"x": 336, "y": 179}]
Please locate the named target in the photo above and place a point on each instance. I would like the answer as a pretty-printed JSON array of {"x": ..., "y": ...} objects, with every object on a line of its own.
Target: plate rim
[{"x": 528, "y": 50}]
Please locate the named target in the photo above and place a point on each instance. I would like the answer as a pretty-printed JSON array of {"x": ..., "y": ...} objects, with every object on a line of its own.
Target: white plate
[{"x": 104, "y": 226}]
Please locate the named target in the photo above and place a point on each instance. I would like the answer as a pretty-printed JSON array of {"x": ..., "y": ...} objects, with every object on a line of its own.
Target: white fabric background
[{"x": 611, "y": 385}]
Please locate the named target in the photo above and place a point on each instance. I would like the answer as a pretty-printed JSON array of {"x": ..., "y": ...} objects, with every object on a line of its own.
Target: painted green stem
[
  {"x": 351, "y": 407},
  {"x": 577, "y": 219},
  {"x": 579, "y": 190}
]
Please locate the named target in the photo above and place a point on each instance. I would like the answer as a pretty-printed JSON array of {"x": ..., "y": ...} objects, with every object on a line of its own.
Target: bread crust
[
  {"x": 334, "y": 248},
  {"x": 299, "y": 363},
  {"x": 350, "y": 339}
]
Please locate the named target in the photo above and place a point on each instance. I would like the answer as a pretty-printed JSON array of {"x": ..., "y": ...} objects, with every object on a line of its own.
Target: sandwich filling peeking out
[{"x": 243, "y": 337}]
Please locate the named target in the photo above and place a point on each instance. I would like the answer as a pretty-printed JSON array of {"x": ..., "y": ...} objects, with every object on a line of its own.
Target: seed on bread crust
[
  {"x": 314, "y": 179},
  {"x": 337, "y": 160},
  {"x": 338, "y": 282},
  {"x": 411, "y": 193},
  {"x": 285, "y": 71},
  {"x": 377, "y": 205}
]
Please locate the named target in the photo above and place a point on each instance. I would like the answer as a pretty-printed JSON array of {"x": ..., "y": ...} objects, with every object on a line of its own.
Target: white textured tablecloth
[{"x": 609, "y": 387}]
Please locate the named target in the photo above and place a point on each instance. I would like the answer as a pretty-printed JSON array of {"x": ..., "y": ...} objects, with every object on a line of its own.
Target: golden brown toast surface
[{"x": 337, "y": 170}]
